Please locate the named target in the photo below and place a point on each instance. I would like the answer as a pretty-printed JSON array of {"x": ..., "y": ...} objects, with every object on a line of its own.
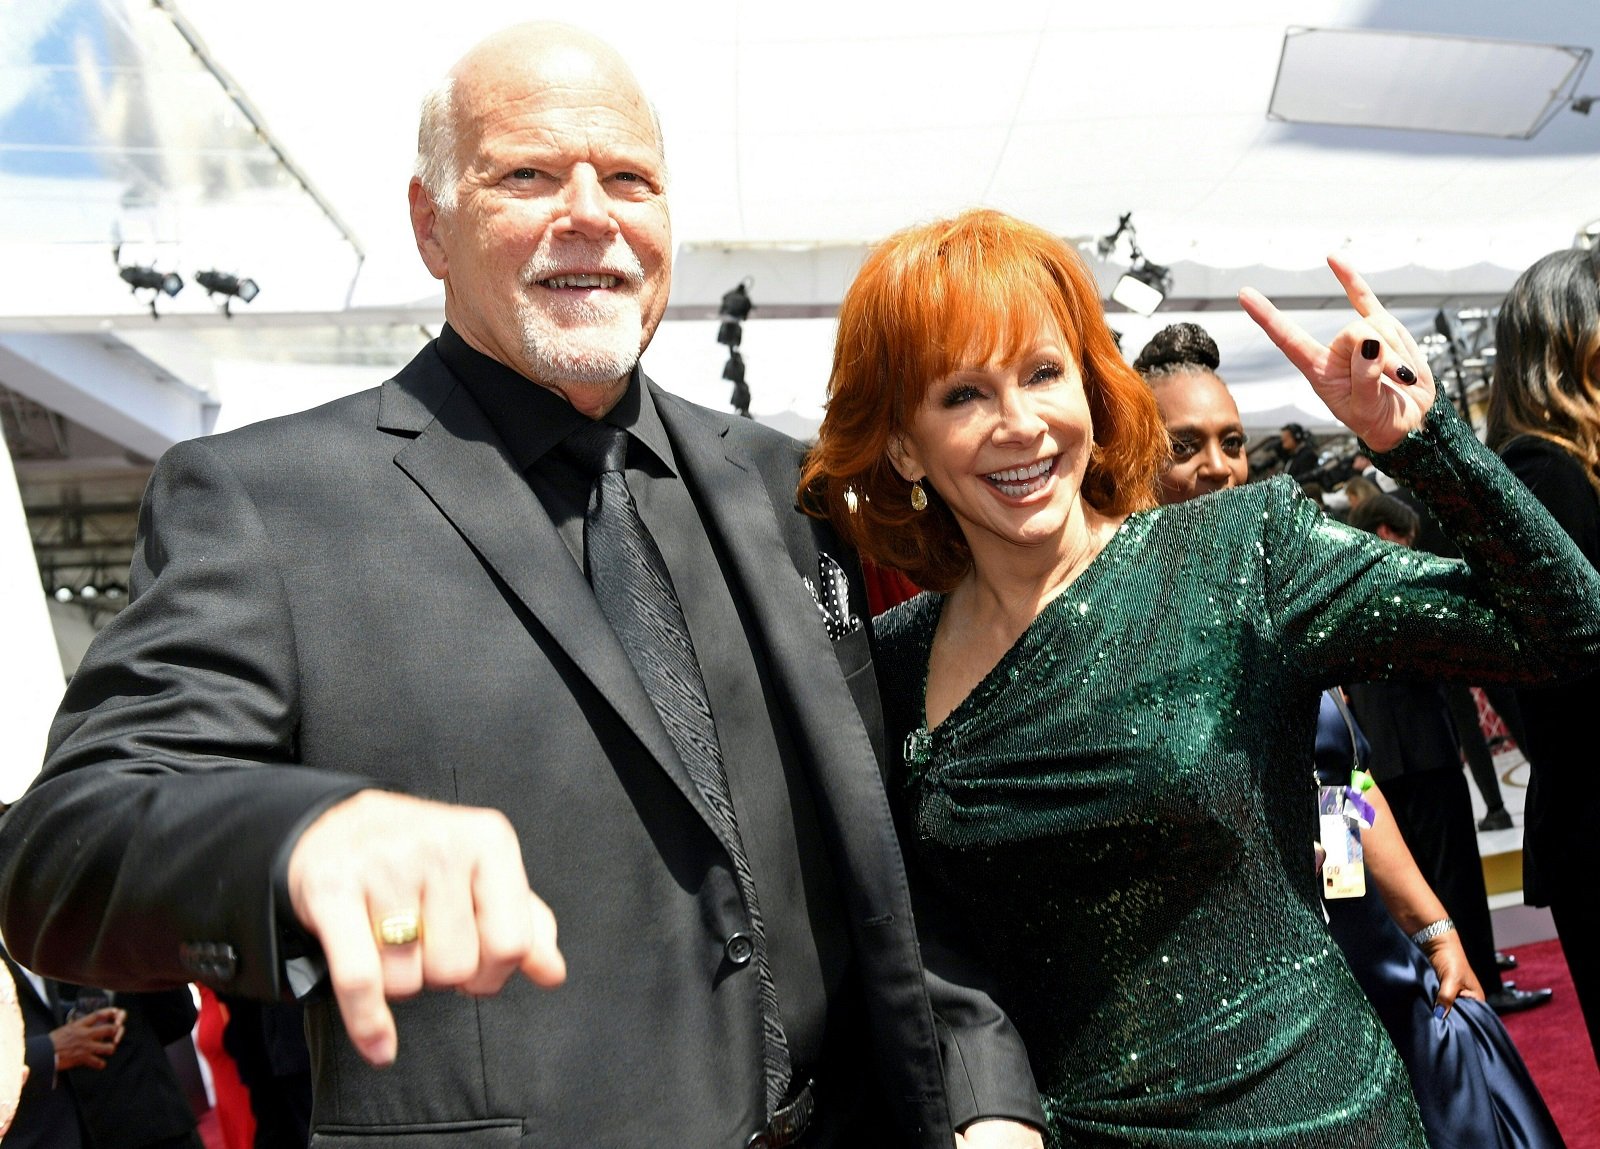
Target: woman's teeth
[{"x": 1021, "y": 481}]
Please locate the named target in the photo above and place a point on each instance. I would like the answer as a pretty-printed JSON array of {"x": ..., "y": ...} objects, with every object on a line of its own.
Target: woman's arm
[
  {"x": 1522, "y": 605},
  {"x": 1412, "y": 903}
]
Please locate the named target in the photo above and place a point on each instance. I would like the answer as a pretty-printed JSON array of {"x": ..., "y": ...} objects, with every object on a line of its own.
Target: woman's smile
[{"x": 1021, "y": 482}]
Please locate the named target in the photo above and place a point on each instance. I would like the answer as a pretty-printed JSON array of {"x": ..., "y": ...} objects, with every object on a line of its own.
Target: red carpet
[{"x": 1554, "y": 1043}]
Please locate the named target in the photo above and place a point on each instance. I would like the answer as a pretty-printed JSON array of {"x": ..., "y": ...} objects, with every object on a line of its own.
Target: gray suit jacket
[{"x": 369, "y": 593}]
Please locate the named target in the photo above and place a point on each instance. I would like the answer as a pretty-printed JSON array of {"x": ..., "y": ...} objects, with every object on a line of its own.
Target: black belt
[{"x": 790, "y": 1122}]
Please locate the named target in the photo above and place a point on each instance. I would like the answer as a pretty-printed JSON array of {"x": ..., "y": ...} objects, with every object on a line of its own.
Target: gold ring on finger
[{"x": 399, "y": 929}]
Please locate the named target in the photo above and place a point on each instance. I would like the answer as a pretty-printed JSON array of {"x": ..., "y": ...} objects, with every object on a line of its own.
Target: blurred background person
[
  {"x": 1298, "y": 450},
  {"x": 1361, "y": 466},
  {"x": 47, "y": 1115},
  {"x": 135, "y": 1100},
  {"x": 1544, "y": 419},
  {"x": 1349, "y": 494}
]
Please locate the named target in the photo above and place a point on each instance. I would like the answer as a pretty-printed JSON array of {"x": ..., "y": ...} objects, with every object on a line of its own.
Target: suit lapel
[
  {"x": 732, "y": 494},
  {"x": 459, "y": 461},
  {"x": 849, "y": 789},
  {"x": 767, "y": 566}
]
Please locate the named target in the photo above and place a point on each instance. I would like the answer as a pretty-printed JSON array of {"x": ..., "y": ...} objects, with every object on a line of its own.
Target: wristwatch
[{"x": 1432, "y": 930}]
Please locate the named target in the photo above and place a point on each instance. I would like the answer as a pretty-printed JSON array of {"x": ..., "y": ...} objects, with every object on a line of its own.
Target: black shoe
[
  {"x": 1510, "y": 999},
  {"x": 1495, "y": 820},
  {"x": 1505, "y": 961}
]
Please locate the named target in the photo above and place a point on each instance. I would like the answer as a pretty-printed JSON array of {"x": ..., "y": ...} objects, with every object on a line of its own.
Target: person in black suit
[
  {"x": 364, "y": 690},
  {"x": 47, "y": 1115},
  {"x": 134, "y": 1100}
]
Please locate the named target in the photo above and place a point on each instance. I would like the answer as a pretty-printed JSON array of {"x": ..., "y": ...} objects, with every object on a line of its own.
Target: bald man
[{"x": 365, "y": 695}]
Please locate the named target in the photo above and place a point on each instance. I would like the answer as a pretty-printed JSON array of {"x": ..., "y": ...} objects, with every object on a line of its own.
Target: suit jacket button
[
  {"x": 214, "y": 963},
  {"x": 740, "y": 949}
]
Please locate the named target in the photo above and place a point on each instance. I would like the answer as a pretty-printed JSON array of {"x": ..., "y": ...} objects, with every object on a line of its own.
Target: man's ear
[
  {"x": 902, "y": 456},
  {"x": 425, "y": 224}
]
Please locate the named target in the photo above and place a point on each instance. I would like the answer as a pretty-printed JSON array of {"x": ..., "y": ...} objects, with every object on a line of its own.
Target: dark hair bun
[{"x": 1176, "y": 347}]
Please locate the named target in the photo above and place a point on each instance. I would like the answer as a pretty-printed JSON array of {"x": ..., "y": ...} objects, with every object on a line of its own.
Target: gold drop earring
[{"x": 919, "y": 497}]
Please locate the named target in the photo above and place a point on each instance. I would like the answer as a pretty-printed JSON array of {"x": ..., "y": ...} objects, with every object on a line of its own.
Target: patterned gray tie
[{"x": 636, "y": 595}]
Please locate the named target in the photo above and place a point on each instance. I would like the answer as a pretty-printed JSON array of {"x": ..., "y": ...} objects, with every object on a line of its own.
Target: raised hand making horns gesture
[{"x": 1372, "y": 376}]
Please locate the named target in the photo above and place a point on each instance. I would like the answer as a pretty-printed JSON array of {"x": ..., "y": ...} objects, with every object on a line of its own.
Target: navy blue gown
[{"x": 1472, "y": 1087}]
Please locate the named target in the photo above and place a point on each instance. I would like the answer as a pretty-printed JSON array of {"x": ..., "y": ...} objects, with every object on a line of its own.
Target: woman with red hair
[{"x": 1095, "y": 704}]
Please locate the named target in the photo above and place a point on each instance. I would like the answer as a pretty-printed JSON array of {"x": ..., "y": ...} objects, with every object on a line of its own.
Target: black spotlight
[
  {"x": 736, "y": 303},
  {"x": 149, "y": 279},
  {"x": 230, "y": 287},
  {"x": 1106, "y": 244},
  {"x": 734, "y": 310},
  {"x": 733, "y": 372}
]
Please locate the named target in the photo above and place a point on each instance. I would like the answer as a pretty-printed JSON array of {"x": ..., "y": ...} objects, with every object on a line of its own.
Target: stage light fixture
[
  {"x": 1106, "y": 244},
  {"x": 140, "y": 278},
  {"x": 736, "y": 304},
  {"x": 733, "y": 372},
  {"x": 1143, "y": 287},
  {"x": 150, "y": 279},
  {"x": 733, "y": 311},
  {"x": 230, "y": 287}
]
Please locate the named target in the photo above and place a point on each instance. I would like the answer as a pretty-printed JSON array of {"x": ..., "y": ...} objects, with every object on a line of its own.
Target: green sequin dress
[{"x": 1121, "y": 810}]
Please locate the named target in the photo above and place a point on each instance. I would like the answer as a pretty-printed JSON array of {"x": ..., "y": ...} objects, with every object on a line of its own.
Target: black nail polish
[
  {"x": 1369, "y": 349},
  {"x": 1405, "y": 374}
]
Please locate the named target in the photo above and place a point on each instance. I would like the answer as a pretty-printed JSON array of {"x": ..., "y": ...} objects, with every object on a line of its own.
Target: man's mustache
[{"x": 615, "y": 259}]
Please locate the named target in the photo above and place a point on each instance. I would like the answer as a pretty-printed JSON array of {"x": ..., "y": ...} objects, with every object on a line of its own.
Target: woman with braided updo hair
[{"x": 1208, "y": 440}]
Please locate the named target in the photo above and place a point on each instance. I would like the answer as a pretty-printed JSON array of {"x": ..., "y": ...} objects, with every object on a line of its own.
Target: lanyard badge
[{"x": 1341, "y": 814}]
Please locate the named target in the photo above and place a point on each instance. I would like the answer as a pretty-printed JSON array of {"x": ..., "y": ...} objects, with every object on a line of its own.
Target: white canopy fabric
[
  {"x": 30, "y": 671},
  {"x": 276, "y": 140}
]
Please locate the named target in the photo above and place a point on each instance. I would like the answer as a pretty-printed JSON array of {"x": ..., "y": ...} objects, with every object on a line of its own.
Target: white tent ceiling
[{"x": 795, "y": 134}]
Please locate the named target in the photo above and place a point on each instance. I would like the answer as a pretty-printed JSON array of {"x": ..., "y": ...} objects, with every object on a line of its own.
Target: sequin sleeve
[{"x": 1522, "y": 605}]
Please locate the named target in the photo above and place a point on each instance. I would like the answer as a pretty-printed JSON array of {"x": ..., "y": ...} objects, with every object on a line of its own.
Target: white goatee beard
[
  {"x": 601, "y": 351},
  {"x": 589, "y": 341}
]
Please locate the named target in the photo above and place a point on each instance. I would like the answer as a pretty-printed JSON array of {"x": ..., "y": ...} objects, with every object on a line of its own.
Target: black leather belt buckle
[{"x": 790, "y": 1122}]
